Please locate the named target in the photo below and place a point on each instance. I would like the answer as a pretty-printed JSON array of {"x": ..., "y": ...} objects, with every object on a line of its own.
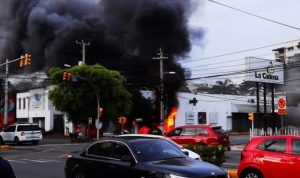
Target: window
[
  {"x": 296, "y": 146},
  {"x": 219, "y": 131},
  {"x": 189, "y": 131},
  {"x": 290, "y": 48},
  {"x": 120, "y": 150},
  {"x": 20, "y": 103},
  {"x": 201, "y": 131},
  {"x": 100, "y": 149},
  {"x": 274, "y": 145},
  {"x": 24, "y": 103},
  {"x": 11, "y": 129},
  {"x": 201, "y": 117}
]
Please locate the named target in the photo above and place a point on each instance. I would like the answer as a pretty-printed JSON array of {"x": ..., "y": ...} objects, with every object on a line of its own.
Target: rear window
[
  {"x": 28, "y": 128},
  {"x": 219, "y": 131}
]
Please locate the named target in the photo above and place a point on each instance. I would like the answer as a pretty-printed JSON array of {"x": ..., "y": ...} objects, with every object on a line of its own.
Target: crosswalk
[{"x": 24, "y": 161}]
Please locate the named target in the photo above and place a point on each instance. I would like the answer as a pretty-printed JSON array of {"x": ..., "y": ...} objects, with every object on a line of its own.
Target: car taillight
[{"x": 22, "y": 133}]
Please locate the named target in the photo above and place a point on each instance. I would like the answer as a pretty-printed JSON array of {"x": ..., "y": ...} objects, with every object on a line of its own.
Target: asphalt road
[{"x": 42, "y": 161}]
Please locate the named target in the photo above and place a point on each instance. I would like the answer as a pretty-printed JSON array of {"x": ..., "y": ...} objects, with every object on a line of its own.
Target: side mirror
[{"x": 186, "y": 153}]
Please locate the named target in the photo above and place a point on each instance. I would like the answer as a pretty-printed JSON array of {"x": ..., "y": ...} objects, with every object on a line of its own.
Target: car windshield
[
  {"x": 219, "y": 131},
  {"x": 154, "y": 149},
  {"x": 28, "y": 128}
]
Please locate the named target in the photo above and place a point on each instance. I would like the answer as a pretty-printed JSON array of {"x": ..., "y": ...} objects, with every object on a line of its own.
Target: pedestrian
[{"x": 6, "y": 170}]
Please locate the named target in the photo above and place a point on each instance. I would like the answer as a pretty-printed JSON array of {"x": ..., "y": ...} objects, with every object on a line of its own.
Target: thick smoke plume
[{"x": 124, "y": 35}]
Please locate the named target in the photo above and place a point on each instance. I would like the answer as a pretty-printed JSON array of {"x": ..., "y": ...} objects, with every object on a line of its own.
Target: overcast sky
[{"x": 227, "y": 31}]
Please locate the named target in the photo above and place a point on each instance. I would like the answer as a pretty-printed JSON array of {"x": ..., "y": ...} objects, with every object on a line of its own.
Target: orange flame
[{"x": 170, "y": 121}]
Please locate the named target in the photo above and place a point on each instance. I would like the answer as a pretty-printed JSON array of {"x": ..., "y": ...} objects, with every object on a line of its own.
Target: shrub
[{"x": 214, "y": 155}]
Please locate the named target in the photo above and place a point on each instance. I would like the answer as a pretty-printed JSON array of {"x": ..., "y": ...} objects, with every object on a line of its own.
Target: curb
[
  {"x": 4, "y": 147},
  {"x": 232, "y": 173}
]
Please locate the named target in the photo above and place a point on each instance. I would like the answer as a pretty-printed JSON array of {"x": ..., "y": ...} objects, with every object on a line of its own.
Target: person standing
[{"x": 6, "y": 169}]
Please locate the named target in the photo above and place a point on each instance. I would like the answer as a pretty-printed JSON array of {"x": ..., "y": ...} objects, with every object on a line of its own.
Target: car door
[
  {"x": 273, "y": 157},
  {"x": 8, "y": 134},
  {"x": 175, "y": 135},
  {"x": 124, "y": 162},
  {"x": 294, "y": 159},
  {"x": 98, "y": 159}
]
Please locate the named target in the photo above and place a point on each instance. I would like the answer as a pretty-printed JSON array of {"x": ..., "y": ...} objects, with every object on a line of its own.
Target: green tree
[
  {"x": 79, "y": 98},
  {"x": 226, "y": 87},
  {"x": 247, "y": 88}
]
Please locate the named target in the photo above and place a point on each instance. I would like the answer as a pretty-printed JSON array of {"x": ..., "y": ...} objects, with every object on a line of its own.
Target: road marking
[
  {"x": 231, "y": 164},
  {"x": 237, "y": 147},
  {"x": 40, "y": 160},
  {"x": 11, "y": 160}
]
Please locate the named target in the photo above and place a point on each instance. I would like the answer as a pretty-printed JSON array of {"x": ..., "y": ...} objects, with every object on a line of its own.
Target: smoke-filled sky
[{"x": 48, "y": 30}]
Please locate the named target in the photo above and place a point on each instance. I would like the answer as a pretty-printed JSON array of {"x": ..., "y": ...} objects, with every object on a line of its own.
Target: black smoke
[{"x": 124, "y": 35}]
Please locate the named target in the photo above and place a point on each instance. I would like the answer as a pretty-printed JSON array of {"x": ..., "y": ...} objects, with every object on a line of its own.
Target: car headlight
[{"x": 173, "y": 176}]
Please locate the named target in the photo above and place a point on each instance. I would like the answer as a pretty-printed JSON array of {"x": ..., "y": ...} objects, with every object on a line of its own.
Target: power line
[
  {"x": 245, "y": 12},
  {"x": 238, "y": 52}
]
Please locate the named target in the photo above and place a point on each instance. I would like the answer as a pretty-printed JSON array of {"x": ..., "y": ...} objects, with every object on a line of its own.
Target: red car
[
  {"x": 201, "y": 135},
  {"x": 271, "y": 157}
]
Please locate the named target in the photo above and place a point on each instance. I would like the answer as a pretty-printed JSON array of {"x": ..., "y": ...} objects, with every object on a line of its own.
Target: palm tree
[{"x": 226, "y": 87}]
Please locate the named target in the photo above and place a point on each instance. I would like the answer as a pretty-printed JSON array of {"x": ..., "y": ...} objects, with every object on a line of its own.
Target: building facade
[{"x": 34, "y": 106}]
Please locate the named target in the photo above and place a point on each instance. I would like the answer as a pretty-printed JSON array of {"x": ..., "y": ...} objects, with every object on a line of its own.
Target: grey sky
[{"x": 227, "y": 30}]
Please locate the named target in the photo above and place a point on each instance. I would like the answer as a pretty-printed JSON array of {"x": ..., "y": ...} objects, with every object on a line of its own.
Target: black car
[{"x": 128, "y": 157}]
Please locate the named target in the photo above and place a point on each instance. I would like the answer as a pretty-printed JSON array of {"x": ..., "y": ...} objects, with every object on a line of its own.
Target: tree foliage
[
  {"x": 226, "y": 87},
  {"x": 79, "y": 98}
]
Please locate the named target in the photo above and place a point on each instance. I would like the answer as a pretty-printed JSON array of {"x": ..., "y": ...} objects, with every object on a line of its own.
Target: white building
[
  {"x": 228, "y": 111},
  {"x": 286, "y": 54},
  {"x": 34, "y": 106}
]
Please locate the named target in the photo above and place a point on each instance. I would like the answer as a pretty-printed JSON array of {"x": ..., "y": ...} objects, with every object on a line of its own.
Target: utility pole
[
  {"x": 6, "y": 95},
  {"x": 83, "y": 49},
  {"x": 161, "y": 57}
]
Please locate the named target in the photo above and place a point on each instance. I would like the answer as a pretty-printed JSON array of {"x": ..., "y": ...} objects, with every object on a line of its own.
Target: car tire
[
  {"x": 252, "y": 173},
  {"x": 16, "y": 141},
  {"x": 78, "y": 174},
  {"x": 1, "y": 141}
]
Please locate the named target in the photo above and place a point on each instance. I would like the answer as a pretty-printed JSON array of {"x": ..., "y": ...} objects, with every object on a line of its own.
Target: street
[{"x": 47, "y": 159}]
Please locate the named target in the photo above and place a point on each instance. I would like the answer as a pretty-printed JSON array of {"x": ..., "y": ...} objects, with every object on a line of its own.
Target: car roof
[
  {"x": 275, "y": 136},
  {"x": 199, "y": 126},
  {"x": 23, "y": 123}
]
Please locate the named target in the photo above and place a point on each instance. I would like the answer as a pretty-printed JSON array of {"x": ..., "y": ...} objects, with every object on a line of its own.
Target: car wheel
[
  {"x": 78, "y": 174},
  {"x": 252, "y": 173},
  {"x": 16, "y": 141},
  {"x": 1, "y": 141},
  {"x": 35, "y": 142}
]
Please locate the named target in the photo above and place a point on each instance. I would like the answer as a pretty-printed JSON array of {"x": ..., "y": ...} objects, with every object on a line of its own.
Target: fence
[{"x": 288, "y": 130}]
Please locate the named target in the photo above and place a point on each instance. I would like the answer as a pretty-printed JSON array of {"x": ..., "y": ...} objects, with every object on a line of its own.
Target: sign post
[{"x": 282, "y": 108}]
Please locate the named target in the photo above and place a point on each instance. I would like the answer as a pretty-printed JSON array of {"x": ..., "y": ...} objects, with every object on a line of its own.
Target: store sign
[
  {"x": 263, "y": 70},
  {"x": 190, "y": 117}
]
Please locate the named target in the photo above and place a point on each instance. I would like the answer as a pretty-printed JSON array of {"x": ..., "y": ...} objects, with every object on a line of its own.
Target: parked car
[
  {"x": 131, "y": 157},
  {"x": 189, "y": 153},
  {"x": 200, "y": 135},
  {"x": 21, "y": 132},
  {"x": 271, "y": 157}
]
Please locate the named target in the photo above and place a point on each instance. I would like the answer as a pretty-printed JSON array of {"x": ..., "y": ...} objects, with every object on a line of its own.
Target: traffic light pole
[{"x": 5, "y": 121}]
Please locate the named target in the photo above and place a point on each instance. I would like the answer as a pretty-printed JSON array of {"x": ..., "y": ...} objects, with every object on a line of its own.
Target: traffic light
[
  {"x": 69, "y": 76},
  {"x": 27, "y": 60},
  {"x": 251, "y": 116},
  {"x": 65, "y": 76},
  {"x": 100, "y": 111},
  {"x": 22, "y": 60}
]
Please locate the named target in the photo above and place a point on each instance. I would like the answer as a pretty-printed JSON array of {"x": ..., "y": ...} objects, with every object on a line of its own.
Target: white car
[
  {"x": 21, "y": 132},
  {"x": 191, "y": 154}
]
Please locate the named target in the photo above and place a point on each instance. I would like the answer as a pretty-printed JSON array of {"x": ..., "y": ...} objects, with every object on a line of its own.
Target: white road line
[
  {"x": 16, "y": 161},
  {"x": 64, "y": 155},
  {"x": 41, "y": 160}
]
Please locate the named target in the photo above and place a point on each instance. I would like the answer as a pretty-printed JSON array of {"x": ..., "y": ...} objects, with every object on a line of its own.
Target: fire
[{"x": 170, "y": 121}]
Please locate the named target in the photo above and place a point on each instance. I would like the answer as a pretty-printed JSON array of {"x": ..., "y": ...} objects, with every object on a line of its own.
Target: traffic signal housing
[
  {"x": 22, "y": 60},
  {"x": 251, "y": 116},
  {"x": 25, "y": 60},
  {"x": 65, "y": 76}
]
